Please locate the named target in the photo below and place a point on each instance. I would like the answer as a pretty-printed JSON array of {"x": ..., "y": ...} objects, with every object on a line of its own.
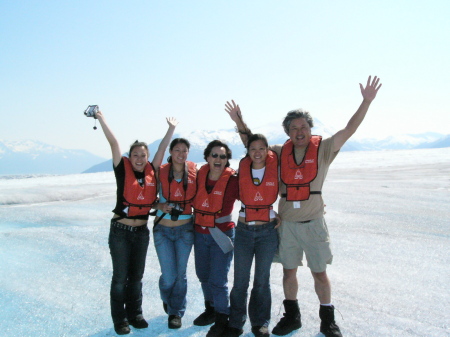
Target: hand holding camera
[
  {"x": 91, "y": 111},
  {"x": 175, "y": 211}
]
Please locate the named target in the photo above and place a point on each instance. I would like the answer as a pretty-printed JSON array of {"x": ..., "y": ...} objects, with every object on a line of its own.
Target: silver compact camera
[{"x": 91, "y": 111}]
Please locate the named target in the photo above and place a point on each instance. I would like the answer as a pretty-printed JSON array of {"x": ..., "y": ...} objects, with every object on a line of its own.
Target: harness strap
[
  {"x": 284, "y": 195},
  {"x": 226, "y": 218}
]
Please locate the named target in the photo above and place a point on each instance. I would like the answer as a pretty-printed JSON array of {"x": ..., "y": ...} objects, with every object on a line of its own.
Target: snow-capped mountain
[
  {"x": 400, "y": 142},
  {"x": 275, "y": 135},
  {"x": 34, "y": 157},
  {"x": 439, "y": 143},
  {"x": 198, "y": 139}
]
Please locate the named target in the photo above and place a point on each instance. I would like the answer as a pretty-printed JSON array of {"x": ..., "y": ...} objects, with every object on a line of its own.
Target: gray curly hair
[{"x": 294, "y": 114}]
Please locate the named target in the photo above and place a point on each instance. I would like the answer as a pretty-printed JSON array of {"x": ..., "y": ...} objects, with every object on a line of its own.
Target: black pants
[{"x": 128, "y": 253}]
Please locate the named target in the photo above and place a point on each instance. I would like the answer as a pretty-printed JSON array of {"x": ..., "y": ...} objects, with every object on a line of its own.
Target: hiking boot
[
  {"x": 165, "y": 307},
  {"x": 122, "y": 328},
  {"x": 260, "y": 331},
  {"x": 232, "y": 332},
  {"x": 291, "y": 319},
  {"x": 219, "y": 327},
  {"x": 139, "y": 322},
  {"x": 207, "y": 317},
  {"x": 328, "y": 326},
  {"x": 174, "y": 322}
]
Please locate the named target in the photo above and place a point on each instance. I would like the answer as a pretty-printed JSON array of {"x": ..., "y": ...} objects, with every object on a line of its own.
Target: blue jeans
[
  {"x": 212, "y": 267},
  {"x": 173, "y": 246},
  {"x": 128, "y": 253},
  {"x": 261, "y": 242}
]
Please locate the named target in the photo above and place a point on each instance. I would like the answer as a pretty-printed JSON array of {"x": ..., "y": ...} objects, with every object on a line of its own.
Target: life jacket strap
[
  {"x": 226, "y": 218},
  {"x": 284, "y": 195}
]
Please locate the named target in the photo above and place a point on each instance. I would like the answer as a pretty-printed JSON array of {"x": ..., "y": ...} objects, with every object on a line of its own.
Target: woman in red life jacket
[
  {"x": 129, "y": 235},
  {"x": 256, "y": 238},
  {"x": 173, "y": 233},
  {"x": 217, "y": 190}
]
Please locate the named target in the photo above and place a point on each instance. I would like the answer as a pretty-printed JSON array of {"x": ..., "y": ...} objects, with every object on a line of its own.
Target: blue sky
[{"x": 143, "y": 60}]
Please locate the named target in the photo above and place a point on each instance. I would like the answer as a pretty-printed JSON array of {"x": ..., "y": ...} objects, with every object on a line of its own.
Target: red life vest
[
  {"x": 179, "y": 192},
  {"x": 297, "y": 178},
  {"x": 258, "y": 199},
  {"x": 139, "y": 199},
  {"x": 207, "y": 205}
]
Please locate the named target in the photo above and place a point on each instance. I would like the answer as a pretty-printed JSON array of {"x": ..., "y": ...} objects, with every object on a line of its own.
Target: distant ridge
[
  {"x": 275, "y": 135},
  {"x": 34, "y": 157},
  {"x": 440, "y": 143}
]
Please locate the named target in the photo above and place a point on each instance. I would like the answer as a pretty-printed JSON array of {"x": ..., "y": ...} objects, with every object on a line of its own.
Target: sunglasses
[{"x": 215, "y": 155}]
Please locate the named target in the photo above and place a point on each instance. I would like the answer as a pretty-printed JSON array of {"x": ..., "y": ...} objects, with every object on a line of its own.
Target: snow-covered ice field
[{"x": 388, "y": 213}]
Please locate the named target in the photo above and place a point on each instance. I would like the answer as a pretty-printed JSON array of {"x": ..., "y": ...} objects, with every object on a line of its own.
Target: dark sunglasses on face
[{"x": 215, "y": 155}]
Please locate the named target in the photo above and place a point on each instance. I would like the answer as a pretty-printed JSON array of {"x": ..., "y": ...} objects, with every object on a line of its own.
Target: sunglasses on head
[{"x": 215, "y": 155}]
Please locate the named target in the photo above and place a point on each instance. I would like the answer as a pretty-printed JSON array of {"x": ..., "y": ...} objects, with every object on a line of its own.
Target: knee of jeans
[
  {"x": 261, "y": 283},
  {"x": 119, "y": 278},
  {"x": 133, "y": 278},
  {"x": 168, "y": 279},
  {"x": 134, "y": 284},
  {"x": 117, "y": 290},
  {"x": 218, "y": 284},
  {"x": 240, "y": 287},
  {"x": 202, "y": 277}
]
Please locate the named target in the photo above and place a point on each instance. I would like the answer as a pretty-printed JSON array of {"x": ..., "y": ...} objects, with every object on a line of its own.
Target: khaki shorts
[{"x": 311, "y": 237}]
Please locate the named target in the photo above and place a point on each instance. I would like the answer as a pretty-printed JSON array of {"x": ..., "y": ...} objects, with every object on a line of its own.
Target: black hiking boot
[
  {"x": 219, "y": 327},
  {"x": 207, "y": 317},
  {"x": 122, "y": 328},
  {"x": 328, "y": 326},
  {"x": 174, "y": 322},
  {"x": 291, "y": 320},
  {"x": 139, "y": 322}
]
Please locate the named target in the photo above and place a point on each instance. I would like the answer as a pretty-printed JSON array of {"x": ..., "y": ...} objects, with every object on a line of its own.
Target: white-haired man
[{"x": 304, "y": 161}]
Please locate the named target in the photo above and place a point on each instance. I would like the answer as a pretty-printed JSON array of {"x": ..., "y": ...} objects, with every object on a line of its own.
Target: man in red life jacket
[{"x": 304, "y": 163}]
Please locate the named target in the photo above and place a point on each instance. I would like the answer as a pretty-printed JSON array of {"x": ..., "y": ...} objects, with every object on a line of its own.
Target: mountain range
[
  {"x": 275, "y": 135},
  {"x": 34, "y": 157}
]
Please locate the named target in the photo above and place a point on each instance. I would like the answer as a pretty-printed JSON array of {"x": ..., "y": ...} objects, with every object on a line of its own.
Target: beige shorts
[{"x": 311, "y": 237}]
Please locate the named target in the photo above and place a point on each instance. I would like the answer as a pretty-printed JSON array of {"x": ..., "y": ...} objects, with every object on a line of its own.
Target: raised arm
[
  {"x": 236, "y": 115},
  {"x": 159, "y": 155},
  {"x": 115, "y": 148},
  {"x": 369, "y": 93}
]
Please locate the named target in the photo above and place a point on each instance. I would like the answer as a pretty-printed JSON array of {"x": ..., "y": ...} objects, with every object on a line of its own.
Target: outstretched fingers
[
  {"x": 370, "y": 90},
  {"x": 375, "y": 83},
  {"x": 233, "y": 110},
  {"x": 172, "y": 121}
]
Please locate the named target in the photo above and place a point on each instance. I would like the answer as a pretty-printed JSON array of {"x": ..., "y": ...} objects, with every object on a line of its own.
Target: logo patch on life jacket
[
  {"x": 270, "y": 183},
  {"x": 309, "y": 161},
  {"x": 205, "y": 203},
  {"x": 218, "y": 192},
  {"x": 178, "y": 193},
  {"x": 140, "y": 196},
  {"x": 150, "y": 184},
  {"x": 258, "y": 197},
  {"x": 298, "y": 175}
]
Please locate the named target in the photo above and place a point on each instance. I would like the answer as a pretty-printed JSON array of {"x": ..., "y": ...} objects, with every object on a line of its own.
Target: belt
[
  {"x": 284, "y": 195},
  {"x": 255, "y": 228},
  {"x": 128, "y": 228}
]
